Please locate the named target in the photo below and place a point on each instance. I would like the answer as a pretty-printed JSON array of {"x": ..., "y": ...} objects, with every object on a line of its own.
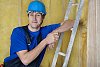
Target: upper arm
[
  {"x": 54, "y": 26},
  {"x": 65, "y": 25},
  {"x": 18, "y": 41}
]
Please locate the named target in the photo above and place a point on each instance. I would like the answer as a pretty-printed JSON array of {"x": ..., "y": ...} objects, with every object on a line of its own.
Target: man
[{"x": 22, "y": 55}]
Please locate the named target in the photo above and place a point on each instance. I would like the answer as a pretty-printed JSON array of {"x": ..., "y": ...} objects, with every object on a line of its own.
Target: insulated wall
[
  {"x": 13, "y": 13},
  {"x": 8, "y": 20}
]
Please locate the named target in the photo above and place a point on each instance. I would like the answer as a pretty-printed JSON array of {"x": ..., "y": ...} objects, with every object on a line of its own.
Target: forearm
[
  {"x": 68, "y": 24},
  {"x": 28, "y": 57}
]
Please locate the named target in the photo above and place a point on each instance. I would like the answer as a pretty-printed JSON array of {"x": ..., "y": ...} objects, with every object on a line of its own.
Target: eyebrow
[{"x": 39, "y": 13}]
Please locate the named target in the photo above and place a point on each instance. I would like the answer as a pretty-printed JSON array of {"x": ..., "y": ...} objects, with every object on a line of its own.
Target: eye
[
  {"x": 38, "y": 14},
  {"x": 31, "y": 15}
]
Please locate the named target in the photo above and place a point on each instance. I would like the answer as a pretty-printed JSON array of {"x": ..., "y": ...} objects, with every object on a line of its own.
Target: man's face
[{"x": 35, "y": 19}]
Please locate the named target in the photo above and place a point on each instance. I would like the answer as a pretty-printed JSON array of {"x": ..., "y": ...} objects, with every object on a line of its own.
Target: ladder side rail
[
  {"x": 69, "y": 49},
  {"x": 57, "y": 51},
  {"x": 60, "y": 39}
]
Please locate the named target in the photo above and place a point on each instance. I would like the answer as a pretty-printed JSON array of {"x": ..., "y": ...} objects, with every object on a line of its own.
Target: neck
[{"x": 33, "y": 29}]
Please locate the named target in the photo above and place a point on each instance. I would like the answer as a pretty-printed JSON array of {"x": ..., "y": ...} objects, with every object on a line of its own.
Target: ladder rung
[
  {"x": 75, "y": 4},
  {"x": 71, "y": 29},
  {"x": 62, "y": 54}
]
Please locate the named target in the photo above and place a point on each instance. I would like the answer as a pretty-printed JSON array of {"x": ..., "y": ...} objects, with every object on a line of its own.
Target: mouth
[{"x": 35, "y": 22}]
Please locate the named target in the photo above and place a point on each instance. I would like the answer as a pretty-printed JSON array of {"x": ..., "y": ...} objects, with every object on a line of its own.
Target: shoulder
[
  {"x": 51, "y": 25},
  {"x": 17, "y": 31}
]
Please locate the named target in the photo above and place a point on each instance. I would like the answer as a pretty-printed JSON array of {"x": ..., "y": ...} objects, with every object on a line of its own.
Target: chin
[{"x": 35, "y": 27}]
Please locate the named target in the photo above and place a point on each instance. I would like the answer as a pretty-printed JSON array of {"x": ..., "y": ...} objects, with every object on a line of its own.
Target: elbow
[{"x": 25, "y": 62}]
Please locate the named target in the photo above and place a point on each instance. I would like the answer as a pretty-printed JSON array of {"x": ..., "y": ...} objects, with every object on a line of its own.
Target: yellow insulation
[{"x": 10, "y": 17}]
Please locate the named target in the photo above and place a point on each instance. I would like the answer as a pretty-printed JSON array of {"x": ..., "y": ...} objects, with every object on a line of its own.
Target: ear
[{"x": 43, "y": 17}]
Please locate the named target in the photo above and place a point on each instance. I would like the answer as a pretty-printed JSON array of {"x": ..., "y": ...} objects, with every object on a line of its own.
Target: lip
[{"x": 34, "y": 22}]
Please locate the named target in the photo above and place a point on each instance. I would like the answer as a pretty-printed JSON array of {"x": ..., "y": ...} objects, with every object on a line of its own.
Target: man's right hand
[{"x": 52, "y": 38}]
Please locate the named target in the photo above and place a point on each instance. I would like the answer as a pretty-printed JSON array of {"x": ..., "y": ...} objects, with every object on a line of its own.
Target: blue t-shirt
[{"x": 18, "y": 40}]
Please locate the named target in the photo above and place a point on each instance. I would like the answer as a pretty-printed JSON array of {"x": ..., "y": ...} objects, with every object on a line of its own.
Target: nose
[{"x": 34, "y": 18}]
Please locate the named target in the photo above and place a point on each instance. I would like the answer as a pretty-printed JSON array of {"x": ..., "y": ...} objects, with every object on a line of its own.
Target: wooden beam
[
  {"x": 93, "y": 38},
  {"x": 98, "y": 31},
  {"x": 91, "y": 35}
]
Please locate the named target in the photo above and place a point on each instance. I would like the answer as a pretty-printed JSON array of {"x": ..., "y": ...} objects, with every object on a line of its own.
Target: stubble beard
[{"x": 37, "y": 27}]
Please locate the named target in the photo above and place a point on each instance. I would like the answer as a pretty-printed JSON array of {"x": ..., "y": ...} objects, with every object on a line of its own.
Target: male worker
[{"x": 31, "y": 55}]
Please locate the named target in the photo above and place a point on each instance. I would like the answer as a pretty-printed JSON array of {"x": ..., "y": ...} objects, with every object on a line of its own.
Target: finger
[
  {"x": 56, "y": 38},
  {"x": 56, "y": 33},
  {"x": 48, "y": 47},
  {"x": 51, "y": 46}
]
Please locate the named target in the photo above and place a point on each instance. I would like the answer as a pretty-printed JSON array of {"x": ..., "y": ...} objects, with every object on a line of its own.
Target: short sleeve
[
  {"x": 47, "y": 29},
  {"x": 53, "y": 26},
  {"x": 18, "y": 41}
]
